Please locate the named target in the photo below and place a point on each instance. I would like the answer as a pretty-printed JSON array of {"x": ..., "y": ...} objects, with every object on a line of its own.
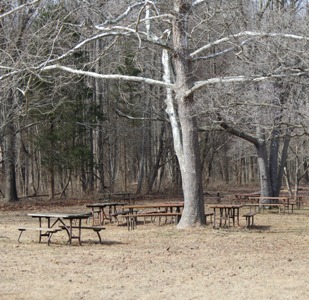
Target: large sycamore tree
[{"x": 178, "y": 32}]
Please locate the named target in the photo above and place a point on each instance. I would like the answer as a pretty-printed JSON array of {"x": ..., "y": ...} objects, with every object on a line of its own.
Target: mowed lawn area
[{"x": 268, "y": 261}]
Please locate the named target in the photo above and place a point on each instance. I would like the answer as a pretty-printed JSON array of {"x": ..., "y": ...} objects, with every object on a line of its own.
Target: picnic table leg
[
  {"x": 104, "y": 216},
  {"x": 40, "y": 226},
  {"x": 177, "y": 219},
  {"x": 70, "y": 231},
  {"x": 79, "y": 231},
  {"x": 229, "y": 214},
  {"x": 132, "y": 222},
  {"x": 221, "y": 216},
  {"x": 128, "y": 222},
  {"x": 214, "y": 226},
  {"x": 49, "y": 238},
  {"x": 40, "y": 232},
  {"x": 101, "y": 216},
  {"x": 50, "y": 233},
  {"x": 224, "y": 216},
  {"x": 110, "y": 213},
  {"x": 232, "y": 216},
  {"x": 128, "y": 218},
  {"x": 93, "y": 216}
]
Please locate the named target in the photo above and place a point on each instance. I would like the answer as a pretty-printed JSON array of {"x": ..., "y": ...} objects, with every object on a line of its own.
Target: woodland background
[{"x": 64, "y": 134}]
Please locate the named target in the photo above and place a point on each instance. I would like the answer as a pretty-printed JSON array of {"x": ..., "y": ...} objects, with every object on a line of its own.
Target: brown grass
[{"x": 269, "y": 261}]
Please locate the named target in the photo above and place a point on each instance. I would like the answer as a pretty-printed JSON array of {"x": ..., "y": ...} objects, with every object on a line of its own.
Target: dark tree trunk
[
  {"x": 9, "y": 161},
  {"x": 156, "y": 166}
]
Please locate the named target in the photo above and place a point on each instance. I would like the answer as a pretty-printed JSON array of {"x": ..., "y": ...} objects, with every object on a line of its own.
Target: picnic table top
[
  {"x": 60, "y": 215},
  {"x": 273, "y": 198},
  {"x": 104, "y": 204},
  {"x": 248, "y": 194},
  {"x": 154, "y": 205},
  {"x": 225, "y": 206}
]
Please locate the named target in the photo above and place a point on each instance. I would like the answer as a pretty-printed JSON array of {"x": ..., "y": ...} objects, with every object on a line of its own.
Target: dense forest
[{"x": 152, "y": 96}]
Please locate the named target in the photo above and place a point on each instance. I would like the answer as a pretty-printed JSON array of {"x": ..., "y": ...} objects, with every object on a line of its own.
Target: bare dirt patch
[{"x": 269, "y": 261}]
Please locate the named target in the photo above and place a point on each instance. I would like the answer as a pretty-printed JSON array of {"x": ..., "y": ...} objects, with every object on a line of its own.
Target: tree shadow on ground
[
  {"x": 104, "y": 242},
  {"x": 259, "y": 228}
]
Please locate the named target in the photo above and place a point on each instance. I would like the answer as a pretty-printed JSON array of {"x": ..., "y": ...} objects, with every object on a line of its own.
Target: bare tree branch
[
  {"x": 121, "y": 16},
  {"x": 107, "y": 76},
  {"x": 248, "y": 33},
  {"x": 18, "y": 8},
  {"x": 233, "y": 79}
]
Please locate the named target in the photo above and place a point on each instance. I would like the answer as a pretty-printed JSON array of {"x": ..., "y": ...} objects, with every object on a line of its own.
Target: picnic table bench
[
  {"x": 48, "y": 232},
  {"x": 209, "y": 215},
  {"x": 96, "y": 229},
  {"x": 122, "y": 213},
  {"x": 52, "y": 219},
  {"x": 281, "y": 202},
  {"x": 131, "y": 219},
  {"x": 249, "y": 218},
  {"x": 156, "y": 210},
  {"x": 263, "y": 206}
]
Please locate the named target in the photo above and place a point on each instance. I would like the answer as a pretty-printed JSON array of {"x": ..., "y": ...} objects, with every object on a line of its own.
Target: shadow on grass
[
  {"x": 104, "y": 242},
  {"x": 259, "y": 228}
]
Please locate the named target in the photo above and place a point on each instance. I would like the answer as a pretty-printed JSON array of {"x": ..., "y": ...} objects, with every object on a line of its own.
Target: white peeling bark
[{"x": 171, "y": 110}]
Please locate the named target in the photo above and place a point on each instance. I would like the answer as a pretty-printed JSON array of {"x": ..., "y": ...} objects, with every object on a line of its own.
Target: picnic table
[
  {"x": 280, "y": 202},
  {"x": 244, "y": 198},
  {"x": 299, "y": 201},
  {"x": 226, "y": 213},
  {"x": 65, "y": 221},
  {"x": 118, "y": 196},
  {"x": 172, "y": 209},
  {"x": 104, "y": 211}
]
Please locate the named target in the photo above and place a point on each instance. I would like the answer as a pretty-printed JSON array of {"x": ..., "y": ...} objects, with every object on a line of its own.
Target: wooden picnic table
[
  {"x": 171, "y": 209},
  {"x": 75, "y": 221},
  {"x": 243, "y": 198},
  {"x": 225, "y": 212},
  {"x": 167, "y": 207},
  {"x": 118, "y": 196},
  {"x": 100, "y": 210},
  {"x": 281, "y": 202}
]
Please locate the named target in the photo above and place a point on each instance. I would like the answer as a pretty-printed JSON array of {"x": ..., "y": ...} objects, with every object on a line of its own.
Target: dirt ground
[{"x": 269, "y": 261}]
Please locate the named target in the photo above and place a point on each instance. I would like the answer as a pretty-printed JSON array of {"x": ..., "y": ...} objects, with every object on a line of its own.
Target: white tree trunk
[{"x": 193, "y": 213}]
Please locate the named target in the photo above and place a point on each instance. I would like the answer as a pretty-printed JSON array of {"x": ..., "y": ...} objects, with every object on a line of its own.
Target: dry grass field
[{"x": 268, "y": 261}]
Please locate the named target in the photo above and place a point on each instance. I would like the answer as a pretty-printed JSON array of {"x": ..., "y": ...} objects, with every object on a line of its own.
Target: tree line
[{"x": 148, "y": 96}]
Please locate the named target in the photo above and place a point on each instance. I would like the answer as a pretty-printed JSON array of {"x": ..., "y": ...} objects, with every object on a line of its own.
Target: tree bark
[
  {"x": 193, "y": 213},
  {"x": 9, "y": 159},
  {"x": 263, "y": 168},
  {"x": 260, "y": 144}
]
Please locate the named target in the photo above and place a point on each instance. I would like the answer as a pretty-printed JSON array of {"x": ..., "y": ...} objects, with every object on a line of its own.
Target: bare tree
[
  {"x": 264, "y": 113},
  {"x": 181, "y": 32},
  {"x": 12, "y": 29}
]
